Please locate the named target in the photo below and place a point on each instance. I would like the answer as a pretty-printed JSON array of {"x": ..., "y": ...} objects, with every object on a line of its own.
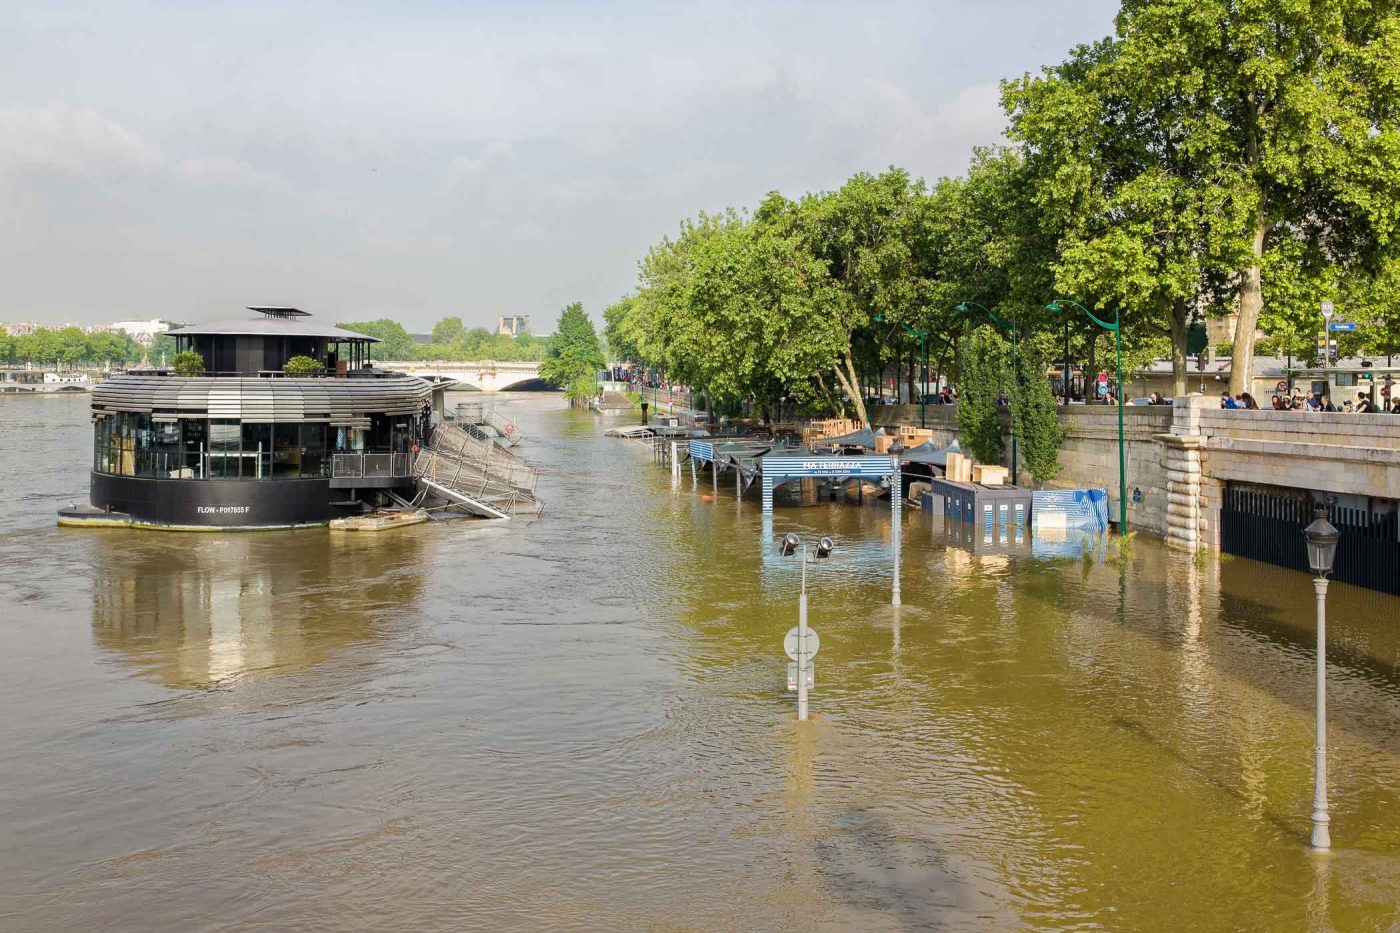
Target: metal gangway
[
  {"x": 476, "y": 474},
  {"x": 486, "y": 423}
]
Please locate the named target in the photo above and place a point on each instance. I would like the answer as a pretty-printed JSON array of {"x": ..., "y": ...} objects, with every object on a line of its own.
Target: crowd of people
[{"x": 1311, "y": 401}]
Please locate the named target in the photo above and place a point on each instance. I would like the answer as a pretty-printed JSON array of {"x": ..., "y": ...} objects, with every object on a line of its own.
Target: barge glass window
[
  {"x": 286, "y": 450},
  {"x": 349, "y": 440},
  {"x": 192, "y": 444},
  {"x": 133, "y": 444},
  {"x": 257, "y": 451},
  {"x": 144, "y": 443},
  {"x": 225, "y": 450},
  {"x": 313, "y": 457}
]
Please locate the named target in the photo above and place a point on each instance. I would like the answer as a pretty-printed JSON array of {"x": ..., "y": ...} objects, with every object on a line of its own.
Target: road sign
[
  {"x": 790, "y": 643},
  {"x": 1327, "y": 308},
  {"x": 1344, "y": 327},
  {"x": 792, "y": 675}
]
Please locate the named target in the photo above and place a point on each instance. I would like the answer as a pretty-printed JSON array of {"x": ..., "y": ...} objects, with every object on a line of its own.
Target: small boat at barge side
[{"x": 245, "y": 445}]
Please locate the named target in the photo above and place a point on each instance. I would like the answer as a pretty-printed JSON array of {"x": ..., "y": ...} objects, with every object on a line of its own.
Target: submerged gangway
[
  {"x": 486, "y": 423},
  {"x": 476, "y": 474}
]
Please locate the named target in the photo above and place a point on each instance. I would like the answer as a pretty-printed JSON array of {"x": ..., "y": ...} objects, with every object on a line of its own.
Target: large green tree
[
  {"x": 448, "y": 330},
  {"x": 574, "y": 355},
  {"x": 395, "y": 343},
  {"x": 1289, "y": 110},
  {"x": 984, "y": 369}
]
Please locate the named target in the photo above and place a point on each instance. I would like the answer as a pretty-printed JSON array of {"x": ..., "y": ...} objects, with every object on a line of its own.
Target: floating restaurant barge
[{"x": 246, "y": 445}]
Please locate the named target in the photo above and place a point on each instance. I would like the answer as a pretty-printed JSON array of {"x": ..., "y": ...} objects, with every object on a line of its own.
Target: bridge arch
[{"x": 529, "y": 385}]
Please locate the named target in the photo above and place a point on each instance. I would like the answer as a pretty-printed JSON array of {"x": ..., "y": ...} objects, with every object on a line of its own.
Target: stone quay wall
[{"x": 1181, "y": 457}]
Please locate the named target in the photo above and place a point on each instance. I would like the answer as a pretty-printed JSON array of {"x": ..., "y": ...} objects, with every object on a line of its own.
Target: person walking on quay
[
  {"x": 1249, "y": 402},
  {"x": 1326, "y": 404},
  {"x": 1226, "y": 401},
  {"x": 1364, "y": 406},
  {"x": 1310, "y": 403}
]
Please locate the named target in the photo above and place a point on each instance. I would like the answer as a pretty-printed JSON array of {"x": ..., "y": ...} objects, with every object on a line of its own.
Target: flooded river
[{"x": 577, "y": 722}]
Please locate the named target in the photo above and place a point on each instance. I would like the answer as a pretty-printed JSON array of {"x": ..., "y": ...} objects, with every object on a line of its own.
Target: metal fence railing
[{"x": 371, "y": 465}]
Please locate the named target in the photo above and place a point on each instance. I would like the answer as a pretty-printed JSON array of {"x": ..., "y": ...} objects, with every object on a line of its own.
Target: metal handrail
[
  {"x": 262, "y": 374},
  {"x": 371, "y": 464}
]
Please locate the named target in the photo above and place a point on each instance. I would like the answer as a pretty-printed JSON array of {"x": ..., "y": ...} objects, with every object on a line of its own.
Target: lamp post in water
[
  {"x": 805, "y": 636},
  {"x": 1117, "y": 328},
  {"x": 966, "y": 308},
  {"x": 896, "y": 494},
  {"x": 1322, "y": 538}
]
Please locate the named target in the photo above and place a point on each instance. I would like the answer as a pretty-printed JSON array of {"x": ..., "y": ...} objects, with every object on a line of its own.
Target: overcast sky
[{"x": 418, "y": 160}]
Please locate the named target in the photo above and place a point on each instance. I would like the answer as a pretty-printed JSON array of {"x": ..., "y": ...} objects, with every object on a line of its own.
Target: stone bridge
[{"x": 486, "y": 375}]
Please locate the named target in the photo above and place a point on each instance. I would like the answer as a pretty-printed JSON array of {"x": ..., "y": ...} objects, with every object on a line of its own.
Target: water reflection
[
  {"x": 581, "y": 722},
  {"x": 190, "y": 611}
]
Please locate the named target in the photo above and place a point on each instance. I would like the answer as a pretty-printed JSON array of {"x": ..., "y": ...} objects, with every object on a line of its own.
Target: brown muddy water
[{"x": 577, "y": 722}]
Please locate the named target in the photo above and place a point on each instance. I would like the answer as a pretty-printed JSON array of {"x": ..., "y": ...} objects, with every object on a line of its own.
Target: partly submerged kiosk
[{"x": 244, "y": 444}]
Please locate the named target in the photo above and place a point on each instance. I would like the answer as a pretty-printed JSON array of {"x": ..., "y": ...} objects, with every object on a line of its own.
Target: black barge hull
[{"x": 217, "y": 504}]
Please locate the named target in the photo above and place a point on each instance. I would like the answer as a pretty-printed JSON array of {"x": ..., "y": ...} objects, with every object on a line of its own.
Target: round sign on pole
[
  {"x": 790, "y": 643},
  {"x": 1281, "y": 386}
]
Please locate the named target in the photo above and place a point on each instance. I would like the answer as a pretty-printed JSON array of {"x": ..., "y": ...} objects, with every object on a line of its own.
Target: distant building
[
  {"x": 23, "y": 328},
  {"x": 513, "y": 325},
  {"x": 143, "y": 332}
]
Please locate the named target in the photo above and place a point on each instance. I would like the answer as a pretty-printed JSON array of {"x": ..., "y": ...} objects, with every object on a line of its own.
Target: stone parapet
[{"x": 1181, "y": 457}]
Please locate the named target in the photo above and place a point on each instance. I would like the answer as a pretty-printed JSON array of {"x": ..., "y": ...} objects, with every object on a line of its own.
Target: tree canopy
[
  {"x": 574, "y": 354},
  {"x": 1210, "y": 157}
]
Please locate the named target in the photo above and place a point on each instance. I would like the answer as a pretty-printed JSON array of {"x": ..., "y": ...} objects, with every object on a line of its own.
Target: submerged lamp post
[
  {"x": 897, "y": 495},
  {"x": 966, "y": 308},
  {"x": 1322, "y": 538},
  {"x": 1058, "y": 305},
  {"x": 789, "y": 546},
  {"x": 923, "y": 361}
]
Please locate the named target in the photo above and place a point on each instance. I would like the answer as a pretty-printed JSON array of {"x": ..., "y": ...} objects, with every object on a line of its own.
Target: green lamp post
[
  {"x": 1058, "y": 305},
  {"x": 966, "y": 308},
  {"x": 923, "y": 361}
]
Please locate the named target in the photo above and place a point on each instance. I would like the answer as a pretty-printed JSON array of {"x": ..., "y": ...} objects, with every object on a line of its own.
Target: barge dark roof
[{"x": 275, "y": 322}]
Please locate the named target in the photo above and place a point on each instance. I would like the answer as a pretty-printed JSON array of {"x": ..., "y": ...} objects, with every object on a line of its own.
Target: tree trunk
[
  {"x": 850, "y": 382},
  {"x": 1251, "y": 304},
  {"x": 1091, "y": 374},
  {"x": 913, "y": 377},
  {"x": 1178, "y": 314},
  {"x": 832, "y": 399}
]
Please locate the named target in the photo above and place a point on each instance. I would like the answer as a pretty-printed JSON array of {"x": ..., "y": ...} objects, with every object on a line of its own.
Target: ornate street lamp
[
  {"x": 965, "y": 308},
  {"x": 789, "y": 546},
  {"x": 1058, "y": 305},
  {"x": 1322, "y": 537}
]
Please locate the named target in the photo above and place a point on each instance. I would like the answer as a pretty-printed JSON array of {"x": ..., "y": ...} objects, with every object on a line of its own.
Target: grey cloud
[{"x": 422, "y": 159}]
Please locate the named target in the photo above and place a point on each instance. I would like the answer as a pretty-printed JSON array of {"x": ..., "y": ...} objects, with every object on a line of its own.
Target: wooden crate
[
  {"x": 989, "y": 474},
  {"x": 913, "y": 437}
]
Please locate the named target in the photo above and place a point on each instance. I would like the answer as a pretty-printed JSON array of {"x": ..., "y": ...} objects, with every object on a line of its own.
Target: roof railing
[{"x": 264, "y": 373}]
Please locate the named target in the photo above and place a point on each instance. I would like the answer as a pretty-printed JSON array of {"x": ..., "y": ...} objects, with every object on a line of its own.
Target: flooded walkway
[{"x": 578, "y": 722}]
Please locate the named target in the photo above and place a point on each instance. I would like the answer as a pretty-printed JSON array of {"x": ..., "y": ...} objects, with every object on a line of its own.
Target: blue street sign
[{"x": 1344, "y": 327}]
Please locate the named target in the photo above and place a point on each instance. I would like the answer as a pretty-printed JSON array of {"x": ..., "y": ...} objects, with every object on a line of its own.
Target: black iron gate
[{"x": 1268, "y": 526}]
